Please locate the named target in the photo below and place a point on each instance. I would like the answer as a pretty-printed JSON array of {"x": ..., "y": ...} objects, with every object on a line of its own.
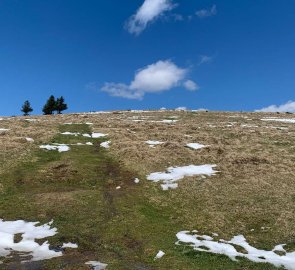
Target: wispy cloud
[
  {"x": 158, "y": 77},
  {"x": 148, "y": 12},
  {"x": 287, "y": 107},
  {"x": 205, "y": 59},
  {"x": 204, "y": 13}
]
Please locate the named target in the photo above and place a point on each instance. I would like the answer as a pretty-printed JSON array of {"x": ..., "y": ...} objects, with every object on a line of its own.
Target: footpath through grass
[{"x": 120, "y": 227}]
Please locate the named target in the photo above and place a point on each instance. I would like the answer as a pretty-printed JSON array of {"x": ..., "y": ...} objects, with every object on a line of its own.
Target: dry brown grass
[{"x": 255, "y": 186}]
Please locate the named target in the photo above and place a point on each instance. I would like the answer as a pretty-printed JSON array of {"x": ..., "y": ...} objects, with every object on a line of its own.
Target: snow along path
[
  {"x": 29, "y": 232},
  {"x": 174, "y": 174},
  {"x": 59, "y": 147},
  {"x": 94, "y": 135},
  {"x": 206, "y": 243},
  {"x": 196, "y": 146}
]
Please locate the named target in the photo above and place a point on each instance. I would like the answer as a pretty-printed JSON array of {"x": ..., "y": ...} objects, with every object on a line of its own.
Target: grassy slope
[{"x": 120, "y": 227}]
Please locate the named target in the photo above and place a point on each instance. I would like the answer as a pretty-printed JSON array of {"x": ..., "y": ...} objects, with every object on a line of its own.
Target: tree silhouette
[
  {"x": 50, "y": 106},
  {"x": 60, "y": 105},
  {"x": 26, "y": 108}
]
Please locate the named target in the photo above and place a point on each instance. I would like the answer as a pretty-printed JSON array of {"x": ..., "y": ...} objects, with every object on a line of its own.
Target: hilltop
[{"x": 104, "y": 187}]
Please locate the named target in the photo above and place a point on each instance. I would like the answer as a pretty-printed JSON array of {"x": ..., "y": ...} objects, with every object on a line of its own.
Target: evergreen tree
[
  {"x": 26, "y": 108},
  {"x": 50, "y": 105},
  {"x": 60, "y": 105}
]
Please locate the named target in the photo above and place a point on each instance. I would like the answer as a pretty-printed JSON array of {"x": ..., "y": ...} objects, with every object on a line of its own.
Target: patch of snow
[
  {"x": 168, "y": 186},
  {"x": 89, "y": 143},
  {"x": 88, "y": 123},
  {"x": 86, "y": 135},
  {"x": 31, "y": 120},
  {"x": 118, "y": 187},
  {"x": 168, "y": 121},
  {"x": 60, "y": 147},
  {"x": 98, "y": 135},
  {"x": 136, "y": 180},
  {"x": 159, "y": 255},
  {"x": 275, "y": 119},
  {"x": 196, "y": 145},
  {"x": 4, "y": 129},
  {"x": 206, "y": 244},
  {"x": 97, "y": 265},
  {"x": 105, "y": 144},
  {"x": 69, "y": 245},
  {"x": 71, "y": 133},
  {"x": 29, "y": 139},
  {"x": 29, "y": 232},
  {"x": 173, "y": 174},
  {"x": 153, "y": 143}
]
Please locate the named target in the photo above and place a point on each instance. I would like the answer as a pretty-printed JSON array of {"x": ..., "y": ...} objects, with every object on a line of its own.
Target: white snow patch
[
  {"x": 283, "y": 120},
  {"x": 71, "y": 133},
  {"x": 59, "y": 147},
  {"x": 196, "y": 145},
  {"x": 136, "y": 180},
  {"x": 29, "y": 139},
  {"x": 98, "y": 135},
  {"x": 173, "y": 174},
  {"x": 29, "y": 232},
  {"x": 205, "y": 243},
  {"x": 69, "y": 245},
  {"x": 31, "y": 120},
  {"x": 159, "y": 255},
  {"x": 4, "y": 129},
  {"x": 153, "y": 143},
  {"x": 105, "y": 144},
  {"x": 168, "y": 121},
  {"x": 97, "y": 265}
]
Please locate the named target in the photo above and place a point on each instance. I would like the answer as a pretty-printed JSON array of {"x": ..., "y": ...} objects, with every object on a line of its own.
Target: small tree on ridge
[
  {"x": 50, "y": 106},
  {"x": 60, "y": 105},
  {"x": 26, "y": 108}
]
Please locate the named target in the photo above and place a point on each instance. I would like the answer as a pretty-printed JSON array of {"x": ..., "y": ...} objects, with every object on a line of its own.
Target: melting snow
[
  {"x": 136, "y": 180},
  {"x": 207, "y": 244},
  {"x": 69, "y": 245},
  {"x": 283, "y": 120},
  {"x": 153, "y": 143},
  {"x": 71, "y": 133},
  {"x": 98, "y": 135},
  {"x": 27, "y": 245},
  {"x": 196, "y": 145},
  {"x": 29, "y": 140},
  {"x": 159, "y": 255},
  {"x": 58, "y": 147},
  {"x": 174, "y": 174},
  {"x": 97, "y": 265},
  {"x": 4, "y": 129},
  {"x": 105, "y": 144}
]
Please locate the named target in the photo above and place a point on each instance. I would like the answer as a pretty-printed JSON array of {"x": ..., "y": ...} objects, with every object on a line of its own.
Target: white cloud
[
  {"x": 287, "y": 107},
  {"x": 203, "y": 13},
  {"x": 190, "y": 85},
  {"x": 181, "y": 109},
  {"x": 149, "y": 11},
  {"x": 158, "y": 77}
]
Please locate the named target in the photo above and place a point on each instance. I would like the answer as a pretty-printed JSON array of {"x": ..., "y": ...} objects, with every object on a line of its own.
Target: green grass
[{"x": 77, "y": 189}]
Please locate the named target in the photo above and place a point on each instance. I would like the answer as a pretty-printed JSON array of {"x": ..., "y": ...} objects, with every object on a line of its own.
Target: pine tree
[
  {"x": 60, "y": 105},
  {"x": 50, "y": 105},
  {"x": 26, "y": 108}
]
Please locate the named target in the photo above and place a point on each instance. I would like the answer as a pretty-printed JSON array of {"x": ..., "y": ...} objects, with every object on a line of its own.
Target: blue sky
[{"x": 107, "y": 55}]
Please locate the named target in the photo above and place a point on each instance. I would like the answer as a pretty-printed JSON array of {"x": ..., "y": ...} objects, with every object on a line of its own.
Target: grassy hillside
[{"x": 90, "y": 194}]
